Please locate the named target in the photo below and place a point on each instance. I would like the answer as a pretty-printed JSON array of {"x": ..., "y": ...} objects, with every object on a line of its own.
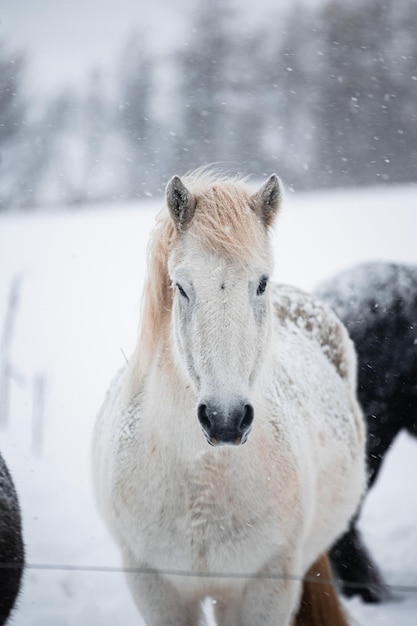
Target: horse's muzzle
[{"x": 225, "y": 428}]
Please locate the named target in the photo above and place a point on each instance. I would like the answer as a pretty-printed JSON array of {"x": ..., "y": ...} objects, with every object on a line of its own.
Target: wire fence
[{"x": 115, "y": 569}]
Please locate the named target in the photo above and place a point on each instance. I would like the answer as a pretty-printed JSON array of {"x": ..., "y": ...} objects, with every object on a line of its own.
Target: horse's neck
[{"x": 168, "y": 400}]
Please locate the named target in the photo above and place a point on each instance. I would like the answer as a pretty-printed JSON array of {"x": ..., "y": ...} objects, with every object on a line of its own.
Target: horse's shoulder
[
  {"x": 114, "y": 432},
  {"x": 118, "y": 411},
  {"x": 114, "y": 392},
  {"x": 301, "y": 312}
]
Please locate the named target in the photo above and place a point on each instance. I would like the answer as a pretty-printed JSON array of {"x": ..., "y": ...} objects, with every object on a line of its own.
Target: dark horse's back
[
  {"x": 377, "y": 302},
  {"x": 11, "y": 544}
]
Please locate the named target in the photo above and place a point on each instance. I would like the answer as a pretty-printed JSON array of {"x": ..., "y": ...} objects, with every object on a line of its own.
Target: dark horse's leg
[
  {"x": 11, "y": 544},
  {"x": 351, "y": 561},
  {"x": 355, "y": 569}
]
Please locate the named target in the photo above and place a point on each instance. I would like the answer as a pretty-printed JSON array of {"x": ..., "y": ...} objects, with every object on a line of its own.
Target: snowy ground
[{"x": 81, "y": 276}]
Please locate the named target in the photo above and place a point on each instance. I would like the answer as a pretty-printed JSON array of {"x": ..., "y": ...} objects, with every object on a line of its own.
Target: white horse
[{"x": 224, "y": 359}]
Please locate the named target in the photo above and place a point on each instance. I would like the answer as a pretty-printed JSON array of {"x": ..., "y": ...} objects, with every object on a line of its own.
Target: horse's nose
[{"x": 230, "y": 427}]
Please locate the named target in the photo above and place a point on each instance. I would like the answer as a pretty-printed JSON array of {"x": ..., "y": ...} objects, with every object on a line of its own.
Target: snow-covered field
[{"x": 80, "y": 282}]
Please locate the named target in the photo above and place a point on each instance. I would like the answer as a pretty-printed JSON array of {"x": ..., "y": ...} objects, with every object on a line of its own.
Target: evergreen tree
[
  {"x": 13, "y": 111},
  {"x": 12, "y": 104},
  {"x": 363, "y": 97},
  {"x": 203, "y": 85},
  {"x": 294, "y": 88},
  {"x": 135, "y": 117}
]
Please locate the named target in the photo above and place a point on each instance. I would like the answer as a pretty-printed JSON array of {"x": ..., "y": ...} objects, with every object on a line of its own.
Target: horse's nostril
[
  {"x": 203, "y": 416},
  {"x": 247, "y": 417},
  {"x": 224, "y": 425}
]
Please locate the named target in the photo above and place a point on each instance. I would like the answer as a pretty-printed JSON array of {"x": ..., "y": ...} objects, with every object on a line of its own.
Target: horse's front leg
[
  {"x": 158, "y": 601},
  {"x": 227, "y": 610},
  {"x": 272, "y": 598}
]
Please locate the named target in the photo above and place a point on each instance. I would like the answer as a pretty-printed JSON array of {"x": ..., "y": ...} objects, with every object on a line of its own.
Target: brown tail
[{"x": 320, "y": 604}]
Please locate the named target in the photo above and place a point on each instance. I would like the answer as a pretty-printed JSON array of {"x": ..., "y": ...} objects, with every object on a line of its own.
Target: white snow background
[{"x": 81, "y": 276}]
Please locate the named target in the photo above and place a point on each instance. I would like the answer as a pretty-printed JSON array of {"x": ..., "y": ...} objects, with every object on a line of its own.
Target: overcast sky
[{"x": 65, "y": 39}]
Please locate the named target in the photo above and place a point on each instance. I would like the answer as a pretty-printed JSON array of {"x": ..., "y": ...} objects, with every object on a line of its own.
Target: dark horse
[
  {"x": 377, "y": 302},
  {"x": 11, "y": 544}
]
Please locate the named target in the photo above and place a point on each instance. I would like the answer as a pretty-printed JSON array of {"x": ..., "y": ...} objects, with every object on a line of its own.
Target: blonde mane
[{"x": 223, "y": 222}]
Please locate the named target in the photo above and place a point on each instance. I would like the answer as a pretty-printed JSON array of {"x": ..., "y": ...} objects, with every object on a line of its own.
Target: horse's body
[
  {"x": 269, "y": 366},
  {"x": 11, "y": 544},
  {"x": 378, "y": 304}
]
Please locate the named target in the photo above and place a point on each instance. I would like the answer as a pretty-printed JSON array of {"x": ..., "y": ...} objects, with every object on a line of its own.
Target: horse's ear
[
  {"x": 267, "y": 200},
  {"x": 181, "y": 203}
]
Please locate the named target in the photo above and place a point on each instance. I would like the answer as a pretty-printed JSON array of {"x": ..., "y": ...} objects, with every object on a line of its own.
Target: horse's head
[{"x": 219, "y": 266}]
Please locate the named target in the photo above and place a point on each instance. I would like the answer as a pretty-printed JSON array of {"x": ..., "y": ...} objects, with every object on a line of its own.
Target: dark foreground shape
[
  {"x": 377, "y": 302},
  {"x": 11, "y": 544}
]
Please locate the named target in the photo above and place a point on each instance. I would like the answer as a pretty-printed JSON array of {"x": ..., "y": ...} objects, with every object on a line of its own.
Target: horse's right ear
[
  {"x": 181, "y": 203},
  {"x": 267, "y": 200}
]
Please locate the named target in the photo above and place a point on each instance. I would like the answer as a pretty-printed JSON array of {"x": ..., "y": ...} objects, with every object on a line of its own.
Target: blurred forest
[{"x": 325, "y": 96}]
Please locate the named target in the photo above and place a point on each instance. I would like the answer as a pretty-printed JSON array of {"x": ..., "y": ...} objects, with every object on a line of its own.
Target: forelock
[{"x": 223, "y": 221}]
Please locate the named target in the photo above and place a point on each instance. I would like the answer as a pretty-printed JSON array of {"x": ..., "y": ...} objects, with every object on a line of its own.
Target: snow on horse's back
[{"x": 231, "y": 448}]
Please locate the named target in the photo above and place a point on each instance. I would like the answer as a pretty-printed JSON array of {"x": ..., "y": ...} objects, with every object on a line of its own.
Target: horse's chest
[{"x": 204, "y": 515}]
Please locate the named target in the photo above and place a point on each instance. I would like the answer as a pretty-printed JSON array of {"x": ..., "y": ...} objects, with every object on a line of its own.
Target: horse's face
[{"x": 221, "y": 324}]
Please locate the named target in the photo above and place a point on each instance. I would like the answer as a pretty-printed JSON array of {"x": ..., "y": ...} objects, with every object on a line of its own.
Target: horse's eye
[
  {"x": 181, "y": 290},
  {"x": 262, "y": 285}
]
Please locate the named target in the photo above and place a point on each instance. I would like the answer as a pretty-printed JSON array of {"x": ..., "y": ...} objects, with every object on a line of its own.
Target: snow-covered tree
[
  {"x": 366, "y": 110},
  {"x": 13, "y": 112}
]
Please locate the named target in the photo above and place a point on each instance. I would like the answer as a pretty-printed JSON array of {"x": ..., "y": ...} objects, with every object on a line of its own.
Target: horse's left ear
[
  {"x": 181, "y": 203},
  {"x": 267, "y": 200}
]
